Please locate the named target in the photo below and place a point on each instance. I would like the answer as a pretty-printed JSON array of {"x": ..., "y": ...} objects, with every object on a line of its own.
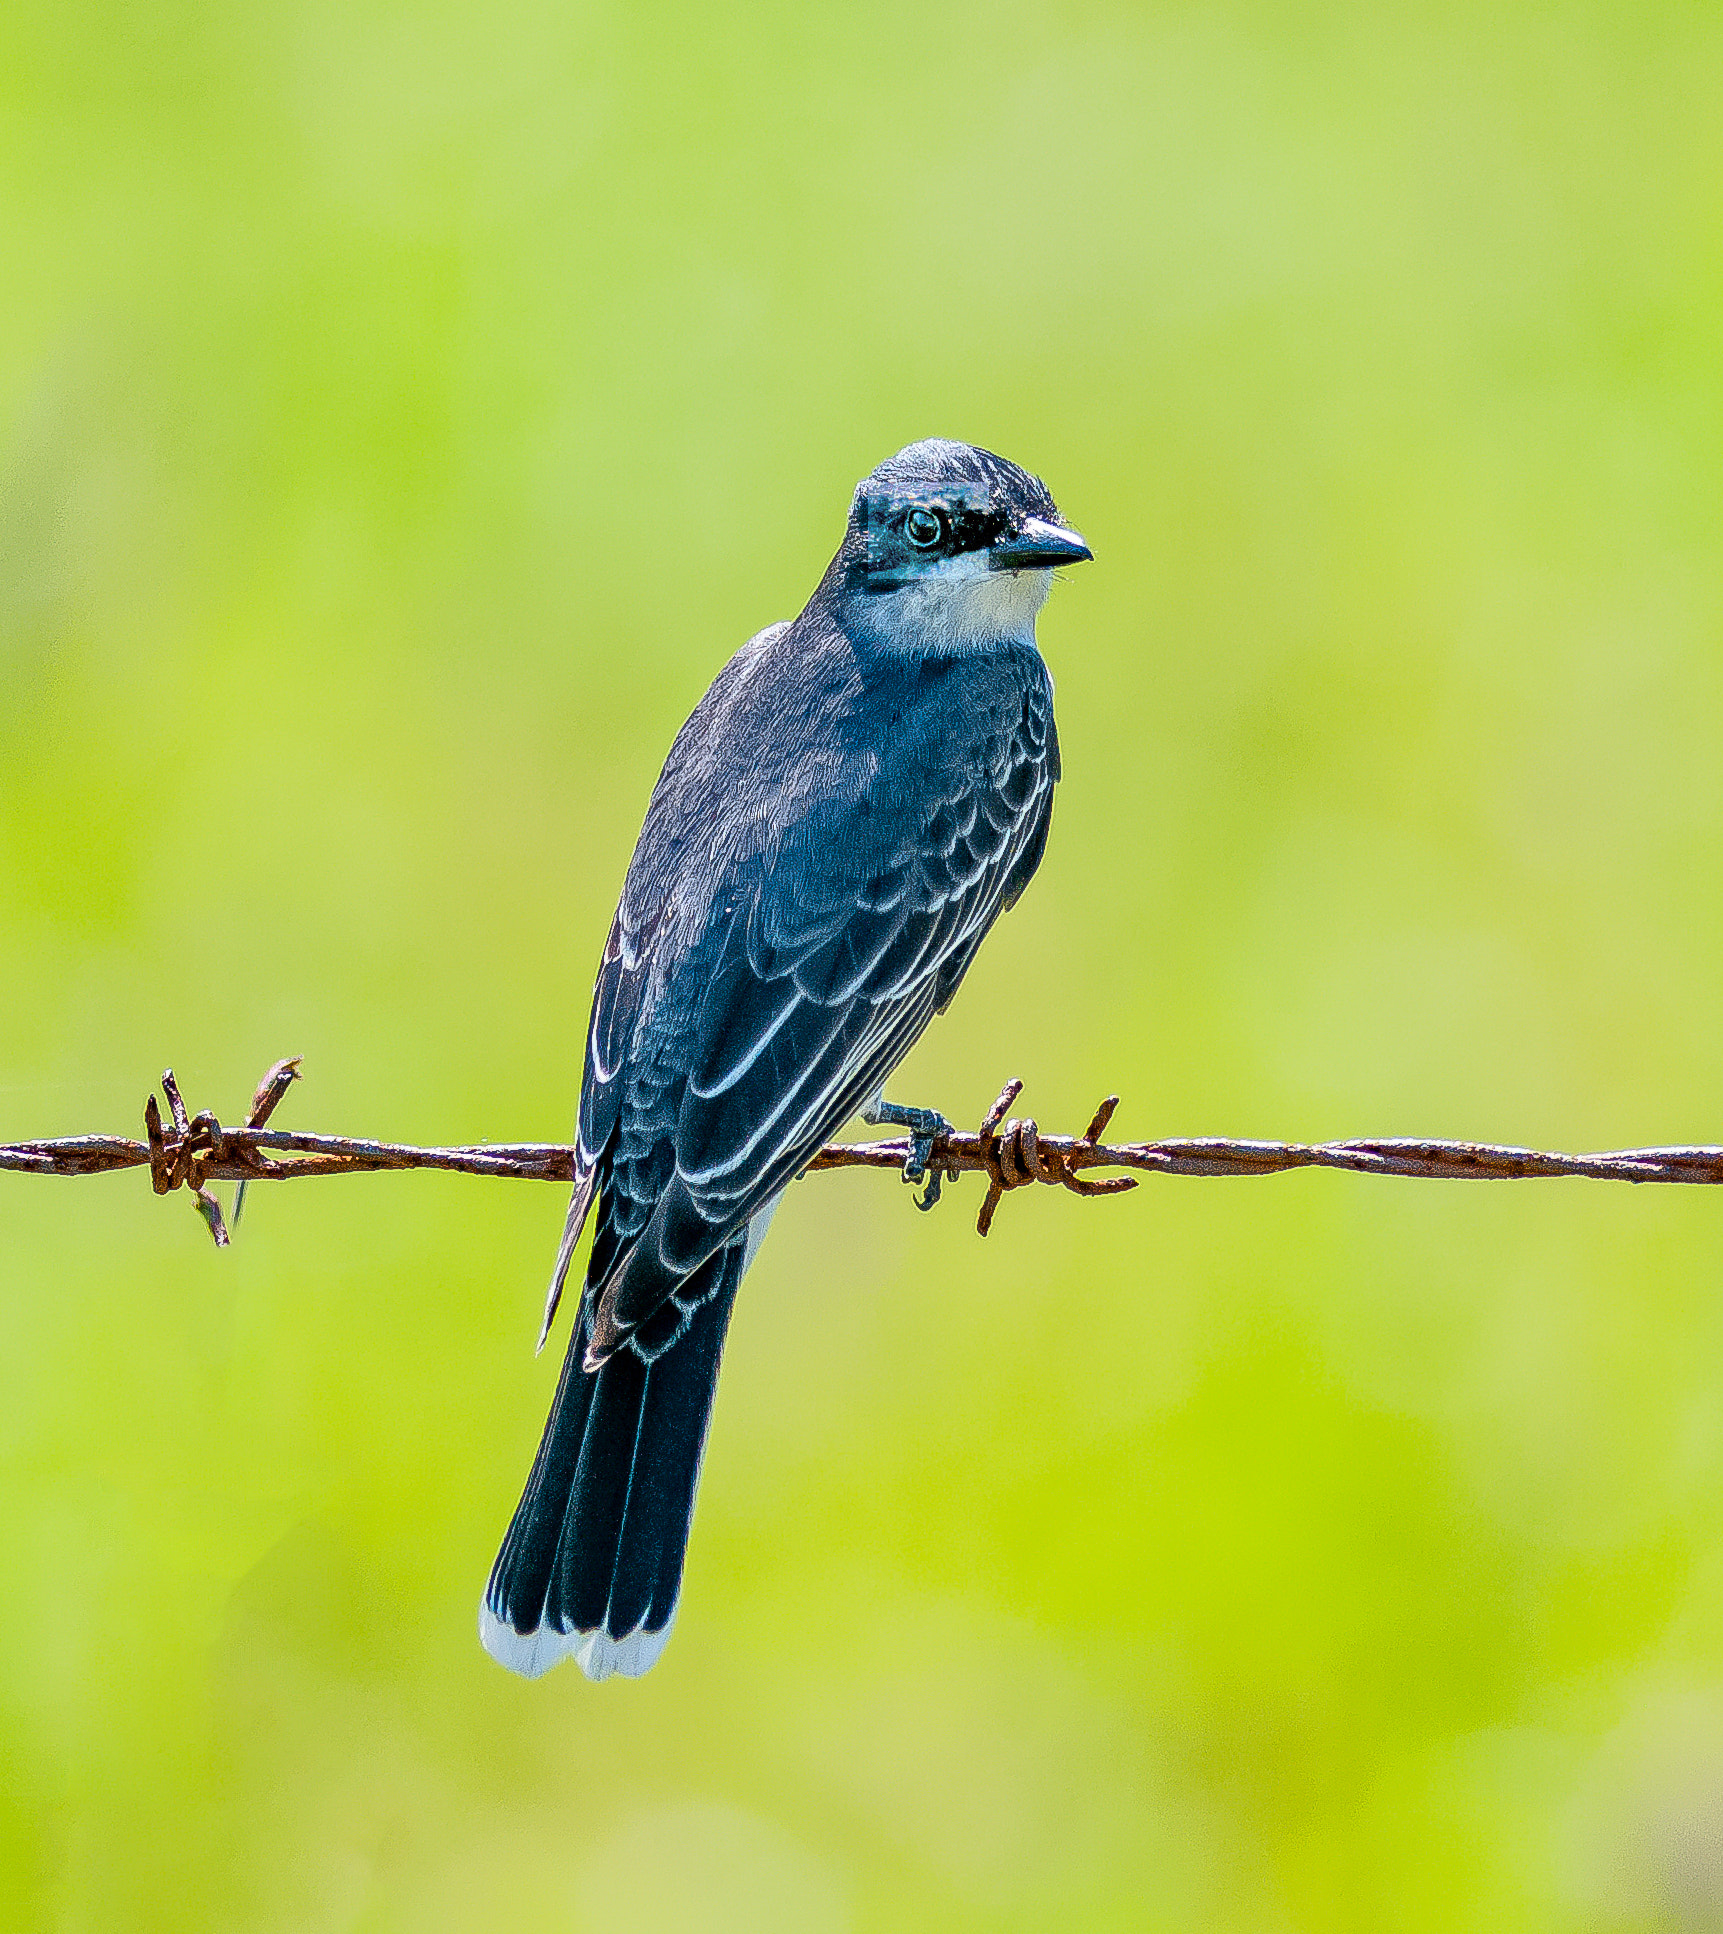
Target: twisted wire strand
[{"x": 192, "y": 1151}]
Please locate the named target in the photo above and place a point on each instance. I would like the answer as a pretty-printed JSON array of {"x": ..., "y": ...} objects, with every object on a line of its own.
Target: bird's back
[{"x": 833, "y": 834}]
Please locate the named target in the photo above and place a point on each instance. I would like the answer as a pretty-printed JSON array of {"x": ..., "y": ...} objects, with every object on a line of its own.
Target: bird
[{"x": 860, "y": 793}]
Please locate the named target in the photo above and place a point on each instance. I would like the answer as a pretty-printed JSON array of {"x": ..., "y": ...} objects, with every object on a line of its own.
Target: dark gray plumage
[{"x": 847, "y": 811}]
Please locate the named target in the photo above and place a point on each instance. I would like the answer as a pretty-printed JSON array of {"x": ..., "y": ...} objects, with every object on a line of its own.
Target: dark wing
[{"x": 823, "y": 962}]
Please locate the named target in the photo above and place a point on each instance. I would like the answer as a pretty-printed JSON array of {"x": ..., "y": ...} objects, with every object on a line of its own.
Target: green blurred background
[{"x": 403, "y": 412}]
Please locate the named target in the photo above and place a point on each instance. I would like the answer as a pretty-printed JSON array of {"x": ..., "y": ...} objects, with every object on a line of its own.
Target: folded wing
[{"x": 715, "y": 1075}]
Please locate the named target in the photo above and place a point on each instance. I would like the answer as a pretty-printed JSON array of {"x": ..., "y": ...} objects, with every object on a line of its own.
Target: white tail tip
[{"x": 599, "y": 1656}]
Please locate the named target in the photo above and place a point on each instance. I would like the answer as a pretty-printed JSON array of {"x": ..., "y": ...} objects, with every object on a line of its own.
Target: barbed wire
[{"x": 192, "y": 1151}]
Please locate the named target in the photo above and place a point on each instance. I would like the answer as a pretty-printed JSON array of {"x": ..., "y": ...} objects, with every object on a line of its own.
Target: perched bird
[{"x": 851, "y": 805}]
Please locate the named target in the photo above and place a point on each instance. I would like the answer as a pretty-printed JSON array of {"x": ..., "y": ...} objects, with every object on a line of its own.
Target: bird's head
[{"x": 950, "y": 545}]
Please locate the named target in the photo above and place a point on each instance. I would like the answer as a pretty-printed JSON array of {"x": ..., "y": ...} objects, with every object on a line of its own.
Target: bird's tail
[{"x": 592, "y": 1563}]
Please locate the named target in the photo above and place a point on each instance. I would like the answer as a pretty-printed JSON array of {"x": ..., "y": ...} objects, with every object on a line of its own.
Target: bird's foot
[{"x": 926, "y": 1126}]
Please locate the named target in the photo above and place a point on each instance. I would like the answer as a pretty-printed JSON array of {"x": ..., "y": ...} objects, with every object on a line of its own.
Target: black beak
[{"x": 1037, "y": 545}]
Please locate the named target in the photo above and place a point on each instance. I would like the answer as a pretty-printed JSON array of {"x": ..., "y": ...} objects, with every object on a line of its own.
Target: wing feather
[{"x": 718, "y": 1063}]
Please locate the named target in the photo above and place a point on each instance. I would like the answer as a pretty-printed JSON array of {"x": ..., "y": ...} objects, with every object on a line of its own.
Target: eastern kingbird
[{"x": 851, "y": 805}]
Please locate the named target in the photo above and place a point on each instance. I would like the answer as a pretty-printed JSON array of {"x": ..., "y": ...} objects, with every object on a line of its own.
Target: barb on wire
[{"x": 197, "y": 1150}]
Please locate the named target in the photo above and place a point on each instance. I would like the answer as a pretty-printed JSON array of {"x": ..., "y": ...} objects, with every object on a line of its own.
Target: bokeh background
[{"x": 403, "y": 412}]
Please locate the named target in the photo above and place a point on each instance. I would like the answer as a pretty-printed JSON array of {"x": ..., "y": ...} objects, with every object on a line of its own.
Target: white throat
[{"x": 960, "y": 602}]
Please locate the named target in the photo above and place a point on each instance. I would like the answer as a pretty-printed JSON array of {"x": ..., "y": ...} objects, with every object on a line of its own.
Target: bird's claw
[
  {"x": 929, "y": 1195},
  {"x": 927, "y": 1128}
]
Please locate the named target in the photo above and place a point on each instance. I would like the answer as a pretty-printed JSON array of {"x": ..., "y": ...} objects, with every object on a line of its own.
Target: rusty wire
[{"x": 197, "y": 1150}]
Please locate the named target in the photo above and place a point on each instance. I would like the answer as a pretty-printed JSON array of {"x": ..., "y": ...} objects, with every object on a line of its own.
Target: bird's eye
[{"x": 924, "y": 528}]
